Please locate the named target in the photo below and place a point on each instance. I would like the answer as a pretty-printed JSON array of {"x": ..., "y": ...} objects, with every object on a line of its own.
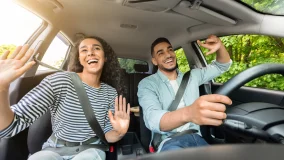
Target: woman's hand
[
  {"x": 14, "y": 65},
  {"x": 121, "y": 118}
]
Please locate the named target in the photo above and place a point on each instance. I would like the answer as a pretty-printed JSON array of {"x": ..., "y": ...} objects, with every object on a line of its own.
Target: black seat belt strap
[
  {"x": 180, "y": 91},
  {"x": 88, "y": 111}
]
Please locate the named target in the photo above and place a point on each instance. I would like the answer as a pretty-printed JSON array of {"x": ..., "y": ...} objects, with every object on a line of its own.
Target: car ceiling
[{"x": 131, "y": 28}]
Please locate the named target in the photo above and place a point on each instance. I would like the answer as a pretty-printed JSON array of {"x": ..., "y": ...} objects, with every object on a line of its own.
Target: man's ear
[
  {"x": 154, "y": 61},
  {"x": 105, "y": 59}
]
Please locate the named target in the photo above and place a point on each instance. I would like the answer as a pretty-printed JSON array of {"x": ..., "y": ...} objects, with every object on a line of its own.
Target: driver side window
[{"x": 249, "y": 50}]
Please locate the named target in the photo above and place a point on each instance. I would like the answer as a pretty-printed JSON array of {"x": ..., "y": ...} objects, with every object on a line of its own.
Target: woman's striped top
[{"x": 57, "y": 93}]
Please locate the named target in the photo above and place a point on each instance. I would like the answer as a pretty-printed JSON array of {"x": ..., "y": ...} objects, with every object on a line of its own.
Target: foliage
[
  {"x": 182, "y": 61},
  {"x": 5, "y": 47},
  {"x": 267, "y": 6},
  {"x": 249, "y": 50},
  {"x": 128, "y": 64}
]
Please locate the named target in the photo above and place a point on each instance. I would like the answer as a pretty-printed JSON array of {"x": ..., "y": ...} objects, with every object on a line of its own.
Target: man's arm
[
  {"x": 206, "y": 110},
  {"x": 222, "y": 54},
  {"x": 214, "y": 44}
]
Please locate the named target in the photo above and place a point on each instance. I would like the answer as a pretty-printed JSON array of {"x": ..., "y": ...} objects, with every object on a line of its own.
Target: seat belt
[
  {"x": 85, "y": 103},
  {"x": 180, "y": 92},
  {"x": 157, "y": 138},
  {"x": 87, "y": 108}
]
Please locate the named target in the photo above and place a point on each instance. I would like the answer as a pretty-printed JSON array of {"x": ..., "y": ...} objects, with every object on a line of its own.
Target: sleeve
[
  {"x": 211, "y": 71},
  {"x": 108, "y": 126},
  {"x": 33, "y": 105},
  {"x": 152, "y": 109}
]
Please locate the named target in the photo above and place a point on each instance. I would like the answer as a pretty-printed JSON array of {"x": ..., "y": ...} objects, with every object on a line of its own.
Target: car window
[
  {"x": 128, "y": 64},
  {"x": 17, "y": 25},
  {"x": 183, "y": 65},
  {"x": 249, "y": 50},
  {"x": 56, "y": 52}
]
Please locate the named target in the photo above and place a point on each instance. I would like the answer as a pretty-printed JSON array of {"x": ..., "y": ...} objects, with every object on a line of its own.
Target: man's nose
[{"x": 168, "y": 54}]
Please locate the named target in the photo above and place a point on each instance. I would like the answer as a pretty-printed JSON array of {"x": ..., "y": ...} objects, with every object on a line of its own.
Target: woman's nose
[{"x": 90, "y": 53}]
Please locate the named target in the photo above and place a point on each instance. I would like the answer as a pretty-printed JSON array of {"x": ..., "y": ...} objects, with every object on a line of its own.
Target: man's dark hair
[{"x": 157, "y": 41}]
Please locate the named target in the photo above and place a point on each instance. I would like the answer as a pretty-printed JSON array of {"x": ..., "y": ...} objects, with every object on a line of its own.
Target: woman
[{"x": 97, "y": 66}]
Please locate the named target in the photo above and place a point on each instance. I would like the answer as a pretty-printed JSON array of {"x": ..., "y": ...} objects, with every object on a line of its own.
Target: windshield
[{"x": 275, "y": 7}]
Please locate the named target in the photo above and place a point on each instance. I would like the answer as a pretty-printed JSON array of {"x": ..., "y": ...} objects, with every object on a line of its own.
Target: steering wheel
[{"x": 235, "y": 83}]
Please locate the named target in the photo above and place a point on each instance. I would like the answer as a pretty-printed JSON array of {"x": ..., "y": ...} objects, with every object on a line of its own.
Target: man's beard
[{"x": 168, "y": 69}]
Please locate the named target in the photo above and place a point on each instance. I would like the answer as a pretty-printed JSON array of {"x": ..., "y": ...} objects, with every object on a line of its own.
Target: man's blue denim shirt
[{"x": 155, "y": 93}]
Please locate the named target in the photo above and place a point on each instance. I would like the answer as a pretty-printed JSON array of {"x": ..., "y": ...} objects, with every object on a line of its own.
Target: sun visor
[
  {"x": 195, "y": 10},
  {"x": 151, "y": 5}
]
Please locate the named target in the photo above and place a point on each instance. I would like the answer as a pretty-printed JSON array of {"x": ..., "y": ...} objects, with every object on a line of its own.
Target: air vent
[{"x": 128, "y": 26}]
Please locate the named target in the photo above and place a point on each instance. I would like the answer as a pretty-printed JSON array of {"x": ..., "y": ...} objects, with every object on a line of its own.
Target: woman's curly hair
[{"x": 111, "y": 74}]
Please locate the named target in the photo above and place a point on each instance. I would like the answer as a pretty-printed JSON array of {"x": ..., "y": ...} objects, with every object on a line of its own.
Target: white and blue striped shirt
[{"x": 57, "y": 93}]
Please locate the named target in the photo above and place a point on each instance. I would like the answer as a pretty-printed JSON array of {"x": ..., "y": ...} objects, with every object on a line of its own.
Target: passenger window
[
  {"x": 128, "y": 64},
  {"x": 249, "y": 50},
  {"x": 17, "y": 25},
  {"x": 56, "y": 53},
  {"x": 183, "y": 65}
]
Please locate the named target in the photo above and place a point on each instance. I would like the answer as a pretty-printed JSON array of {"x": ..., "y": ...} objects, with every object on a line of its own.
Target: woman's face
[{"x": 91, "y": 56}]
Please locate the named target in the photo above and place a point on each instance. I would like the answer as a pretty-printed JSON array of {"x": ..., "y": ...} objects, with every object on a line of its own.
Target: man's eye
[{"x": 97, "y": 48}]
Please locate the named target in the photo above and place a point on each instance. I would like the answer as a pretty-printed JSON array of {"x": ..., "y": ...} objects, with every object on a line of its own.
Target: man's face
[{"x": 164, "y": 57}]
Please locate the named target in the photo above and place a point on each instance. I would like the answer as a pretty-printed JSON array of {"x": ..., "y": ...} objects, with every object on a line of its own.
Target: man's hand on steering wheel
[{"x": 208, "y": 110}]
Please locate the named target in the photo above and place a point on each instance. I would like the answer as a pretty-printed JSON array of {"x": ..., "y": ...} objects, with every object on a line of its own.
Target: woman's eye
[{"x": 97, "y": 48}]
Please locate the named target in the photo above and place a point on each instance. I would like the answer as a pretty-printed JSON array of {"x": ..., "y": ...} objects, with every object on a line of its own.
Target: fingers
[
  {"x": 214, "y": 115},
  {"x": 217, "y": 98},
  {"x": 4, "y": 55},
  {"x": 212, "y": 122},
  {"x": 211, "y": 51},
  {"x": 124, "y": 105},
  {"x": 19, "y": 50},
  {"x": 25, "y": 57},
  {"x": 22, "y": 52},
  {"x": 212, "y": 106},
  {"x": 110, "y": 115},
  {"x": 25, "y": 68},
  {"x": 116, "y": 105},
  {"x": 202, "y": 44},
  {"x": 212, "y": 40},
  {"x": 128, "y": 109},
  {"x": 120, "y": 103}
]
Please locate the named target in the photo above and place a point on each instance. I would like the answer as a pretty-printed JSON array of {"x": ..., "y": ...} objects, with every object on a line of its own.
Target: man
[{"x": 156, "y": 93}]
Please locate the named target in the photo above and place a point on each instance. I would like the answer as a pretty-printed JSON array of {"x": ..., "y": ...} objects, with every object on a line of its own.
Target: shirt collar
[{"x": 164, "y": 78}]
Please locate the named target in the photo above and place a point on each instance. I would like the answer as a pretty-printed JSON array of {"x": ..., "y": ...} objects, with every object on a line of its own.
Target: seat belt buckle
[
  {"x": 111, "y": 149},
  {"x": 151, "y": 149}
]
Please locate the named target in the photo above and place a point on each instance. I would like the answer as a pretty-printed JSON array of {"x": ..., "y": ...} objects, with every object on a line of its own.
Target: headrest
[{"x": 141, "y": 67}]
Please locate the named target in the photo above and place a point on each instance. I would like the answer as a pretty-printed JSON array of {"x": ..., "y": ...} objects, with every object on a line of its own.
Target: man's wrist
[
  {"x": 222, "y": 47},
  {"x": 186, "y": 114}
]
